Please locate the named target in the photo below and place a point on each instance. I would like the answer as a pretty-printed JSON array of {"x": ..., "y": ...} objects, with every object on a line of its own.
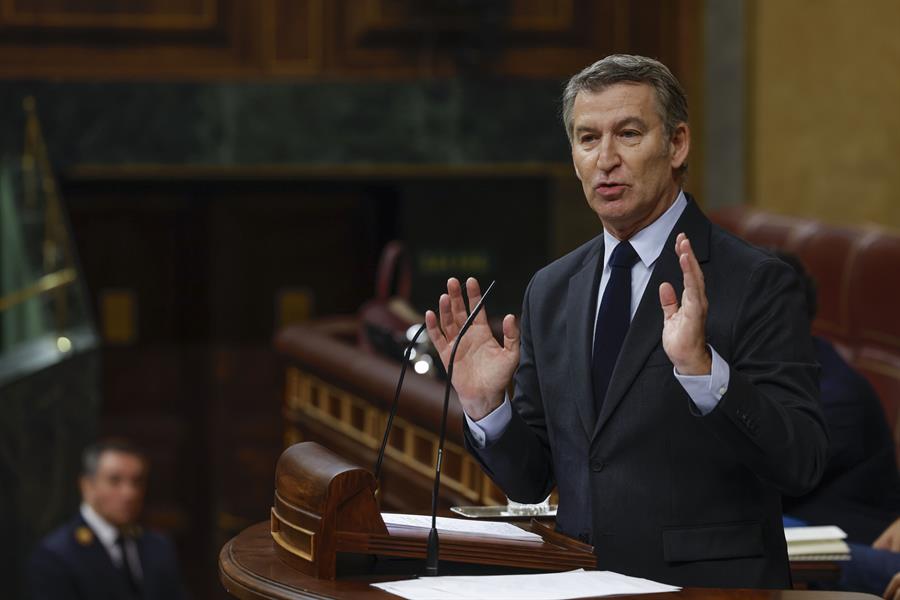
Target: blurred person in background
[{"x": 102, "y": 553}]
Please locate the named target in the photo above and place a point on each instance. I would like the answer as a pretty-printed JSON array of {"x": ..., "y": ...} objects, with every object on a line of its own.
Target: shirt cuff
[
  {"x": 490, "y": 427},
  {"x": 706, "y": 391}
]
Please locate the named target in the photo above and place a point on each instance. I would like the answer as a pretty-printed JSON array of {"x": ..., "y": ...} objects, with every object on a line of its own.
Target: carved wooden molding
[
  {"x": 311, "y": 399},
  {"x": 146, "y": 14}
]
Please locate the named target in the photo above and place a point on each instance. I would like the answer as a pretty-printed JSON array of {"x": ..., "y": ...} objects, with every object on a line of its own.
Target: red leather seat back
[
  {"x": 874, "y": 308},
  {"x": 857, "y": 272}
]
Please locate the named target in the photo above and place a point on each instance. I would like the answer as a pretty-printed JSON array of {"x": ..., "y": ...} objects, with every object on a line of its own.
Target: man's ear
[{"x": 680, "y": 145}]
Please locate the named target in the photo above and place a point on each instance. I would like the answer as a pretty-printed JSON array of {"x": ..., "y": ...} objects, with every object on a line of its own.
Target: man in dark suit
[
  {"x": 670, "y": 430},
  {"x": 102, "y": 554}
]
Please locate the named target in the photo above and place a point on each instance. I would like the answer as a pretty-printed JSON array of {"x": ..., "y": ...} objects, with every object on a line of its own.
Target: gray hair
[
  {"x": 90, "y": 457},
  {"x": 618, "y": 68}
]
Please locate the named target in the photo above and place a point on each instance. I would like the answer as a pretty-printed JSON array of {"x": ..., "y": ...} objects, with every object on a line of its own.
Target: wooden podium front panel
[
  {"x": 250, "y": 570},
  {"x": 346, "y": 410}
]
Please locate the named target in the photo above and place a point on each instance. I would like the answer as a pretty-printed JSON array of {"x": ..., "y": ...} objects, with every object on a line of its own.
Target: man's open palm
[{"x": 482, "y": 367}]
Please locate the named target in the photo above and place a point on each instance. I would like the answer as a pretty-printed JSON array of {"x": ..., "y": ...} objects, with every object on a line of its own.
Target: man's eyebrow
[
  {"x": 634, "y": 121},
  {"x": 624, "y": 122}
]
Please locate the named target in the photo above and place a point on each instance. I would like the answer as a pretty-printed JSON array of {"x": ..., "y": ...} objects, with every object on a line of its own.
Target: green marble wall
[{"x": 446, "y": 121}]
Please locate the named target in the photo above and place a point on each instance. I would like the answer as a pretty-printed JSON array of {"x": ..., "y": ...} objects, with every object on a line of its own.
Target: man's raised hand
[
  {"x": 482, "y": 368},
  {"x": 684, "y": 327}
]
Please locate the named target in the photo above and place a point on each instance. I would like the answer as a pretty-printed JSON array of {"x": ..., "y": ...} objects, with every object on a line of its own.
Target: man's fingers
[
  {"x": 510, "y": 334},
  {"x": 693, "y": 274},
  {"x": 668, "y": 300},
  {"x": 891, "y": 593},
  {"x": 448, "y": 323},
  {"x": 457, "y": 303},
  {"x": 434, "y": 332},
  {"x": 473, "y": 291},
  {"x": 883, "y": 541}
]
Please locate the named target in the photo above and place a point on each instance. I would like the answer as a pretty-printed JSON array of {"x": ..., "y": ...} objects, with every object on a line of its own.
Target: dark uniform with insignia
[{"x": 72, "y": 564}]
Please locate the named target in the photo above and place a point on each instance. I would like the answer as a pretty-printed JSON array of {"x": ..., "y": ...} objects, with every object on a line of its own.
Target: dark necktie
[
  {"x": 126, "y": 568},
  {"x": 613, "y": 319}
]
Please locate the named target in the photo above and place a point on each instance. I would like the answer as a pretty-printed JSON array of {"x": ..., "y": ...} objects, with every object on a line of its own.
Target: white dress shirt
[
  {"x": 705, "y": 391},
  {"x": 107, "y": 533}
]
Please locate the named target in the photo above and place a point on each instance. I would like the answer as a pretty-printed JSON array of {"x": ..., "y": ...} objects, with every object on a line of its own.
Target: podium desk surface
[{"x": 250, "y": 569}]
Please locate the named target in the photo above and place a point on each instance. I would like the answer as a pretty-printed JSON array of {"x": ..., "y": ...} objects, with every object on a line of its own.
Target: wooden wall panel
[
  {"x": 824, "y": 129},
  {"x": 110, "y": 14},
  {"x": 198, "y": 39},
  {"x": 296, "y": 34}
]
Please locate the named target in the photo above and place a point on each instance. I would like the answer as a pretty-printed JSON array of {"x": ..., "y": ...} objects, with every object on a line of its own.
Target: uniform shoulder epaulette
[{"x": 84, "y": 536}]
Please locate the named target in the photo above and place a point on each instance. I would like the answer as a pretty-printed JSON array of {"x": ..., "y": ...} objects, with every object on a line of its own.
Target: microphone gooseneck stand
[
  {"x": 431, "y": 561},
  {"x": 396, "y": 403}
]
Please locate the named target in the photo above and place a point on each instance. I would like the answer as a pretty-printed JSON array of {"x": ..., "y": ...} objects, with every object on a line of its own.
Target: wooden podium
[
  {"x": 326, "y": 539},
  {"x": 325, "y": 505}
]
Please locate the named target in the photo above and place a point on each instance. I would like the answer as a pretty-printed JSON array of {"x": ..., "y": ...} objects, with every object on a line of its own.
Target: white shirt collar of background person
[{"x": 107, "y": 533}]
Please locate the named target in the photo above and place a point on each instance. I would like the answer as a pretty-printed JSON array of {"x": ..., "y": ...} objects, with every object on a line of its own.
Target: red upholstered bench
[{"x": 857, "y": 270}]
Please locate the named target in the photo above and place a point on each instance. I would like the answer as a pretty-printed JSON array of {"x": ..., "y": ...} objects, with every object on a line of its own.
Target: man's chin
[
  {"x": 123, "y": 520},
  {"x": 612, "y": 211}
]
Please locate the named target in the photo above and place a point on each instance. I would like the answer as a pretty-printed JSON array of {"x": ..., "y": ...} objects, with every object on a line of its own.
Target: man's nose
[{"x": 607, "y": 155}]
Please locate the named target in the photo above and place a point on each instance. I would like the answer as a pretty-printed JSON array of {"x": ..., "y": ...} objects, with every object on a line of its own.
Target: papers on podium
[
  {"x": 543, "y": 586},
  {"x": 467, "y": 526},
  {"x": 824, "y": 543}
]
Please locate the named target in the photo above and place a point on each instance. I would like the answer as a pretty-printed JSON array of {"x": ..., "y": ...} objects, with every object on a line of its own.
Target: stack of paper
[
  {"x": 543, "y": 586},
  {"x": 816, "y": 543},
  {"x": 488, "y": 528}
]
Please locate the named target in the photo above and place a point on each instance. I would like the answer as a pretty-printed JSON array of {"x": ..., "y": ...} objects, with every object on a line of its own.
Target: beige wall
[{"x": 824, "y": 114}]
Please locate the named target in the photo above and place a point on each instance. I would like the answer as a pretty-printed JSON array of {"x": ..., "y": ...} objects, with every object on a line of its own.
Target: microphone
[
  {"x": 396, "y": 403},
  {"x": 431, "y": 560}
]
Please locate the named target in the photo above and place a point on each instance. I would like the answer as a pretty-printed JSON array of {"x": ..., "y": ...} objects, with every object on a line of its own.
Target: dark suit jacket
[
  {"x": 860, "y": 490},
  {"x": 66, "y": 568},
  {"x": 661, "y": 491}
]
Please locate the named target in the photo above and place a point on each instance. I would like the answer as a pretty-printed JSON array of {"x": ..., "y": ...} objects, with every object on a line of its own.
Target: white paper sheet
[
  {"x": 489, "y": 528},
  {"x": 811, "y": 534},
  {"x": 544, "y": 586}
]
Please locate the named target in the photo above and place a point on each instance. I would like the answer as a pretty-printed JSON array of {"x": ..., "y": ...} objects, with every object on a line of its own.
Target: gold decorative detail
[
  {"x": 118, "y": 313},
  {"x": 84, "y": 536},
  {"x": 325, "y": 404},
  {"x": 294, "y": 306},
  {"x": 49, "y": 282},
  {"x": 308, "y": 536},
  {"x": 879, "y": 367},
  {"x": 57, "y": 268}
]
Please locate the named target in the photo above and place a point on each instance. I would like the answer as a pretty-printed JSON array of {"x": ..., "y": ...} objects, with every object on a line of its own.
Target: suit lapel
[
  {"x": 645, "y": 332},
  {"x": 581, "y": 305},
  {"x": 101, "y": 563},
  {"x": 146, "y": 581}
]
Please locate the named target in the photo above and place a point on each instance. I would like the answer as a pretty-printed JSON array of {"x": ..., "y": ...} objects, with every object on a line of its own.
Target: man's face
[
  {"x": 623, "y": 157},
  {"x": 116, "y": 490}
]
